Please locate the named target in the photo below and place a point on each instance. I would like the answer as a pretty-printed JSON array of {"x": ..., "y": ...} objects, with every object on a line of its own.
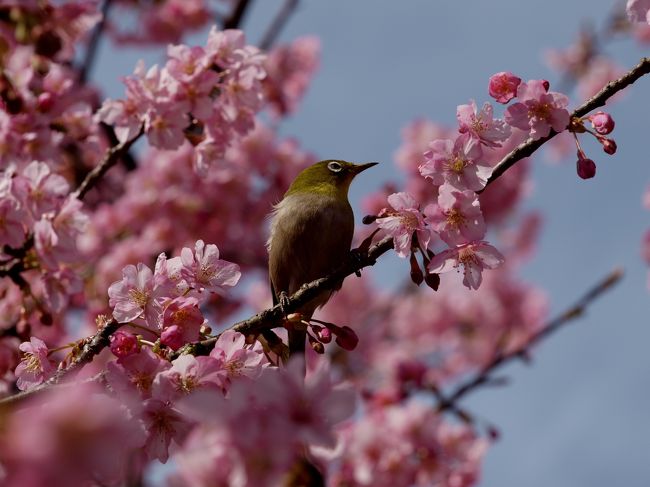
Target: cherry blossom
[
  {"x": 457, "y": 217},
  {"x": 36, "y": 366},
  {"x": 473, "y": 257},
  {"x": 457, "y": 163},
  {"x": 538, "y": 110},
  {"x": 637, "y": 10},
  {"x": 481, "y": 124},
  {"x": 135, "y": 296},
  {"x": 204, "y": 271},
  {"x": 402, "y": 221}
]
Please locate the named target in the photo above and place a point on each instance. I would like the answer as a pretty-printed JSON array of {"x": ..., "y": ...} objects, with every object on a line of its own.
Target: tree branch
[
  {"x": 92, "y": 347},
  {"x": 449, "y": 403},
  {"x": 93, "y": 45},
  {"x": 237, "y": 15},
  {"x": 528, "y": 147},
  {"x": 279, "y": 21},
  {"x": 273, "y": 317},
  {"x": 110, "y": 159}
]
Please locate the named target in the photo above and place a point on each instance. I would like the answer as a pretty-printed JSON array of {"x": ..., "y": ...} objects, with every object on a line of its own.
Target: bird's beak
[{"x": 362, "y": 167}]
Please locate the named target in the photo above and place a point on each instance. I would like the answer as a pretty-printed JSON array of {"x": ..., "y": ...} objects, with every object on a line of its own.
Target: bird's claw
[{"x": 283, "y": 301}]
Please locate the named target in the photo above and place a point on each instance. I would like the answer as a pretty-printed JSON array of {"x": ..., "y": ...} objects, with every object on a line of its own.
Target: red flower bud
[
  {"x": 586, "y": 168},
  {"x": 602, "y": 122},
  {"x": 346, "y": 338}
]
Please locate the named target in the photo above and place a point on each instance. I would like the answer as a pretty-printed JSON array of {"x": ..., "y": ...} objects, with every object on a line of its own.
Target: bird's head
[{"x": 330, "y": 177}]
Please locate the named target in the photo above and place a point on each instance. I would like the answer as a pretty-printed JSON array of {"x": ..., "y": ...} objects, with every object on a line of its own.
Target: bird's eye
[{"x": 334, "y": 166}]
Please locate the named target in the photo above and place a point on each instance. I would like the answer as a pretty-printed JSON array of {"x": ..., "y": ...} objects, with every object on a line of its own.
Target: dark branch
[
  {"x": 110, "y": 159},
  {"x": 90, "y": 349},
  {"x": 527, "y": 148},
  {"x": 237, "y": 15},
  {"x": 273, "y": 317},
  {"x": 93, "y": 45},
  {"x": 484, "y": 376},
  {"x": 278, "y": 24}
]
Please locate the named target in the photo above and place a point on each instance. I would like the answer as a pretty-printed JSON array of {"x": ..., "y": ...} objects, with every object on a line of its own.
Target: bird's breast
[{"x": 310, "y": 236}]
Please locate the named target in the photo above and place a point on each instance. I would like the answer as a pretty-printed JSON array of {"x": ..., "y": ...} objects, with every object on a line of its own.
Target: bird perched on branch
[{"x": 311, "y": 234}]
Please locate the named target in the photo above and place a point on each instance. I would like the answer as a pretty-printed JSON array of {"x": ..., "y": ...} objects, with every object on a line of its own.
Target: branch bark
[
  {"x": 278, "y": 23},
  {"x": 450, "y": 402}
]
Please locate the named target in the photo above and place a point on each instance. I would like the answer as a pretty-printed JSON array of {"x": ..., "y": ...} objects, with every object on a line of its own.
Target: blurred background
[{"x": 579, "y": 414}]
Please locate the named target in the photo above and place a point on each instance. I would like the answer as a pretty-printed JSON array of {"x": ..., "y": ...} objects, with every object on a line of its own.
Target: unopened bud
[
  {"x": 546, "y": 84},
  {"x": 325, "y": 335},
  {"x": 368, "y": 219},
  {"x": 316, "y": 345},
  {"x": 602, "y": 122},
  {"x": 503, "y": 86},
  {"x": 586, "y": 168},
  {"x": 45, "y": 102},
  {"x": 346, "y": 338},
  {"x": 609, "y": 146}
]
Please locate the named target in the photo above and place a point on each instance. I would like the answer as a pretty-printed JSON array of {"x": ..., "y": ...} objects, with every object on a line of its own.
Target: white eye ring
[{"x": 334, "y": 166}]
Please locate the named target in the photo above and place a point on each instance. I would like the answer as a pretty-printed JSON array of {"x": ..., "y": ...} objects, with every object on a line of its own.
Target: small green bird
[{"x": 311, "y": 234}]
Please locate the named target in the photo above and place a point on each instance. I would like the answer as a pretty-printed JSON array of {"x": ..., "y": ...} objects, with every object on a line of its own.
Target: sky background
[{"x": 579, "y": 415}]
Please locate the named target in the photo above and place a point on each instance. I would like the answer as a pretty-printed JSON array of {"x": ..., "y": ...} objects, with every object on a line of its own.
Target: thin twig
[
  {"x": 450, "y": 401},
  {"x": 279, "y": 21},
  {"x": 527, "y": 148},
  {"x": 91, "y": 348},
  {"x": 237, "y": 15},
  {"x": 93, "y": 45},
  {"x": 110, "y": 158}
]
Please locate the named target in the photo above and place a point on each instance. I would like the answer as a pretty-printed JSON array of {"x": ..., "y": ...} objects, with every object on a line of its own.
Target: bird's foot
[{"x": 283, "y": 300}]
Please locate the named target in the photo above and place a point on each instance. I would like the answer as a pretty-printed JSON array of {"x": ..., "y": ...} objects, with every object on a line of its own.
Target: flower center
[
  {"x": 540, "y": 110},
  {"x": 205, "y": 273},
  {"x": 457, "y": 165},
  {"x": 139, "y": 297},
  {"x": 234, "y": 367},
  {"x": 455, "y": 218},
  {"x": 466, "y": 256}
]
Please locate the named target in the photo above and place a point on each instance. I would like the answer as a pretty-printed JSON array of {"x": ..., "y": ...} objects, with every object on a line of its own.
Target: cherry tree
[{"x": 136, "y": 325}]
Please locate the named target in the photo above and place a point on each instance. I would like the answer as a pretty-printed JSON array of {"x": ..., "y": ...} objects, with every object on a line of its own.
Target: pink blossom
[
  {"x": 458, "y": 163},
  {"x": 538, "y": 110},
  {"x": 602, "y": 122},
  {"x": 184, "y": 316},
  {"x": 12, "y": 216},
  {"x": 123, "y": 115},
  {"x": 44, "y": 189},
  {"x": 74, "y": 436},
  {"x": 237, "y": 360},
  {"x": 132, "y": 376},
  {"x": 638, "y": 10},
  {"x": 402, "y": 222},
  {"x": 204, "y": 271},
  {"x": 482, "y": 125},
  {"x": 290, "y": 69},
  {"x": 59, "y": 286},
  {"x": 457, "y": 217},
  {"x": 163, "y": 424},
  {"x": 35, "y": 367},
  {"x": 134, "y": 296},
  {"x": 124, "y": 344},
  {"x": 473, "y": 257},
  {"x": 164, "y": 125},
  {"x": 503, "y": 86},
  {"x": 187, "y": 374}
]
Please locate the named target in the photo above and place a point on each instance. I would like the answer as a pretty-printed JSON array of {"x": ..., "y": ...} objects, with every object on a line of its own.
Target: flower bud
[
  {"x": 586, "y": 167},
  {"x": 124, "y": 344},
  {"x": 503, "y": 86},
  {"x": 346, "y": 338},
  {"x": 602, "y": 122},
  {"x": 325, "y": 335},
  {"x": 172, "y": 337},
  {"x": 432, "y": 280},
  {"x": 316, "y": 345},
  {"x": 609, "y": 146}
]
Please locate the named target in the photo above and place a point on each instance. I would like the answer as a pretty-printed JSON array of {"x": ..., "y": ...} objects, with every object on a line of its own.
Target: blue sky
[{"x": 580, "y": 414}]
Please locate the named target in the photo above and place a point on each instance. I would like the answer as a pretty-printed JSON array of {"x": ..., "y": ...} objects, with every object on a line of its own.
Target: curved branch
[
  {"x": 528, "y": 147},
  {"x": 449, "y": 402},
  {"x": 278, "y": 24}
]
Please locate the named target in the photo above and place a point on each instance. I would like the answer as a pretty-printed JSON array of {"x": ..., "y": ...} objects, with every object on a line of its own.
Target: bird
[{"x": 310, "y": 235}]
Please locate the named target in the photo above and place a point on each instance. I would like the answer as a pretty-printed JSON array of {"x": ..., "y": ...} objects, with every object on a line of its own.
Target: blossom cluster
[
  {"x": 205, "y": 96},
  {"x": 36, "y": 209}
]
